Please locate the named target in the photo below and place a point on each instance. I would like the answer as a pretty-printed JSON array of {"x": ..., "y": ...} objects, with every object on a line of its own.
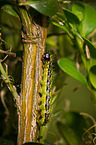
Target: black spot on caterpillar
[{"x": 46, "y": 89}]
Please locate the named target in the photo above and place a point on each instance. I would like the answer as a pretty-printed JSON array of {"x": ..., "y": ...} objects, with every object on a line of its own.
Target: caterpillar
[{"x": 46, "y": 89}]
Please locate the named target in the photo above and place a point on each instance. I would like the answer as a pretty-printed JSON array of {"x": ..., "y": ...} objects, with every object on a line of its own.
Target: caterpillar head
[{"x": 46, "y": 56}]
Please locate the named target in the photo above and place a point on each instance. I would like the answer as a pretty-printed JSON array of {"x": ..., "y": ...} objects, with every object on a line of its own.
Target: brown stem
[{"x": 34, "y": 45}]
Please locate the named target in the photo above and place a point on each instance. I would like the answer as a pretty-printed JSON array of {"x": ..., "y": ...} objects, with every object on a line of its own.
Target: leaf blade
[
  {"x": 92, "y": 76},
  {"x": 69, "y": 67},
  {"x": 45, "y": 7},
  {"x": 10, "y": 10},
  {"x": 88, "y": 22}
]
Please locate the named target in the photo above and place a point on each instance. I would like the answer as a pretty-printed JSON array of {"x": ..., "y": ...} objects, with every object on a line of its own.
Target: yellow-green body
[{"x": 46, "y": 92}]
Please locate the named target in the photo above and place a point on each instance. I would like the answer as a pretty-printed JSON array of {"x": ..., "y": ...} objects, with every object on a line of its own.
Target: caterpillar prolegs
[{"x": 46, "y": 89}]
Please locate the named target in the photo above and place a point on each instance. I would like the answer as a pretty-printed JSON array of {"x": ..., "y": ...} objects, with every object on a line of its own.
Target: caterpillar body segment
[{"x": 46, "y": 89}]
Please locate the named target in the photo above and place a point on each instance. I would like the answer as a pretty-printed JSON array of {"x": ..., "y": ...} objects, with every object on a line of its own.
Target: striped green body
[{"x": 46, "y": 90}]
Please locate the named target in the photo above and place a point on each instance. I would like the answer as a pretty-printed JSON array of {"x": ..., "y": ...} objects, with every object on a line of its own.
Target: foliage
[
  {"x": 44, "y": 6},
  {"x": 71, "y": 27},
  {"x": 69, "y": 67},
  {"x": 78, "y": 24}
]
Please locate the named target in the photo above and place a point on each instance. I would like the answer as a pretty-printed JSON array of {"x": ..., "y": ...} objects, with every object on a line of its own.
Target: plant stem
[
  {"x": 79, "y": 43},
  {"x": 33, "y": 36},
  {"x": 11, "y": 87}
]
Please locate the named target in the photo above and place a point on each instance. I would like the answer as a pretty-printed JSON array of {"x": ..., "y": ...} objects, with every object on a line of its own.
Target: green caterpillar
[{"x": 46, "y": 89}]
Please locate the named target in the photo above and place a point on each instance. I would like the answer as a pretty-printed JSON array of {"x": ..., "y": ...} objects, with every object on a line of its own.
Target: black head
[{"x": 46, "y": 56}]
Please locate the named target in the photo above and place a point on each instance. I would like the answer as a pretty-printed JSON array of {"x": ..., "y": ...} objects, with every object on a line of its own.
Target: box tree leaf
[
  {"x": 71, "y": 18},
  {"x": 92, "y": 76},
  {"x": 10, "y": 10},
  {"x": 45, "y": 7},
  {"x": 92, "y": 54},
  {"x": 69, "y": 67},
  {"x": 88, "y": 22}
]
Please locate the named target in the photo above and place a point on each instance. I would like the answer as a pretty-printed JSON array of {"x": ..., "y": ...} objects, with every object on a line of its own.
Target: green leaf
[
  {"x": 91, "y": 47},
  {"x": 69, "y": 67},
  {"x": 60, "y": 25},
  {"x": 91, "y": 53},
  {"x": 92, "y": 76},
  {"x": 79, "y": 15},
  {"x": 45, "y": 7},
  {"x": 61, "y": 22},
  {"x": 9, "y": 10},
  {"x": 71, "y": 17},
  {"x": 88, "y": 22}
]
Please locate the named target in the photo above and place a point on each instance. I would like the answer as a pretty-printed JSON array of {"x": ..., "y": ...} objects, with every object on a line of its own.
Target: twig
[
  {"x": 10, "y": 86},
  {"x": 3, "y": 58},
  {"x": 8, "y": 52}
]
